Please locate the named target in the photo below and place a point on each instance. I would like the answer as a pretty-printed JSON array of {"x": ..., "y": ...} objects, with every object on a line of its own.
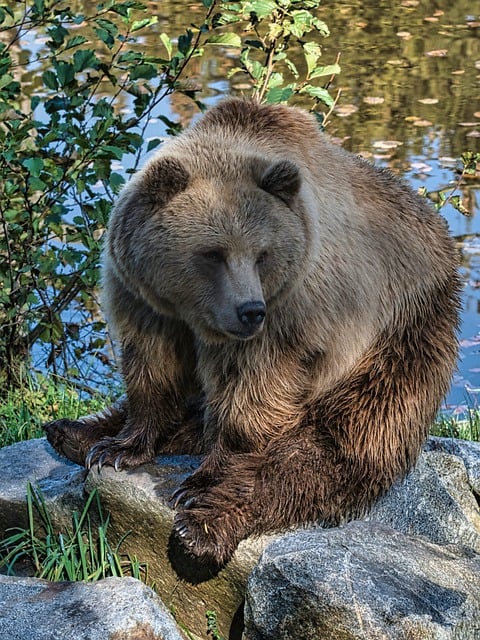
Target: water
[{"x": 409, "y": 101}]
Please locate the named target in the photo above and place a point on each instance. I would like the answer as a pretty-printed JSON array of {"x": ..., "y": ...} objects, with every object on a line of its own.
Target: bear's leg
[
  {"x": 159, "y": 372},
  {"x": 74, "y": 438},
  {"x": 352, "y": 444}
]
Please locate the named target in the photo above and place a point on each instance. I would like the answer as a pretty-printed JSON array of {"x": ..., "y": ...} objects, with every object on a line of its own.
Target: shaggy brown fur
[{"x": 306, "y": 301}]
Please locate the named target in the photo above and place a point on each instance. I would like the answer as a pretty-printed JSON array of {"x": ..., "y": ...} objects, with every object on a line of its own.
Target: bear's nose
[{"x": 251, "y": 314}]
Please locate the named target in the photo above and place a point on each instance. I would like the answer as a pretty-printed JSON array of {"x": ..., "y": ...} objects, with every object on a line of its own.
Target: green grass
[
  {"x": 465, "y": 426},
  {"x": 79, "y": 552},
  {"x": 23, "y": 411}
]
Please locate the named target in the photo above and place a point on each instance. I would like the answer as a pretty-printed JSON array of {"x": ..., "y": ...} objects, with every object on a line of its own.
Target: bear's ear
[
  {"x": 163, "y": 178},
  {"x": 281, "y": 179}
]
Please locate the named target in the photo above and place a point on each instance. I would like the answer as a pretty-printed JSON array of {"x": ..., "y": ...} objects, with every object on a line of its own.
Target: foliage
[
  {"x": 57, "y": 154},
  {"x": 60, "y": 150},
  {"x": 465, "y": 427},
  {"x": 470, "y": 168},
  {"x": 212, "y": 625},
  {"x": 82, "y": 552},
  {"x": 38, "y": 400},
  {"x": 273, "y": 30}
]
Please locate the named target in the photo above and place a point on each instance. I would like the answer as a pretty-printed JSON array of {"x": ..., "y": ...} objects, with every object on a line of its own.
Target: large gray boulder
[
  {"x": 363, "y": 581},
  {"x": 114, "y": 608},
  {"x": 382, "y": 577},
  {"x": 438, "y": 499}
]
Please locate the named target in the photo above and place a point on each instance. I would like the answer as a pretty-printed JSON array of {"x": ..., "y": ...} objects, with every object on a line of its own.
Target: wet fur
[{"x": 313, "y": 417}]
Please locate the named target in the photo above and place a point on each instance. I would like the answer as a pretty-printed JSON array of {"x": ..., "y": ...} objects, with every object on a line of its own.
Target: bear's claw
[{"x": 116, "y": 453}]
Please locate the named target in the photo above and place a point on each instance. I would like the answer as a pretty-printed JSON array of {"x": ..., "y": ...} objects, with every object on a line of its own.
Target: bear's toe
[
  {"x": 65, "y": 436},
  {"x": 204, "y": 539},
  {"x": 117, "y": 453}
]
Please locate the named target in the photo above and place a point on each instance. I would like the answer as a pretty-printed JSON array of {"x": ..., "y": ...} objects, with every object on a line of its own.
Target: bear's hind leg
[
  {"x": 74, "y": 438},
  {"x": 159, "y": 372}
]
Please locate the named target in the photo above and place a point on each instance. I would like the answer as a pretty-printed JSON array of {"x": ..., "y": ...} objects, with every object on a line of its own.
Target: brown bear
[{"x": 285, "y": 309}]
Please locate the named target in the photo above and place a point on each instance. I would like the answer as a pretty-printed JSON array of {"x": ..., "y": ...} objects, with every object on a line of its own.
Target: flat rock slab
[
  {"x": 111, "y": 609},
  {"x": 34, "y": 461},
  {"x": 363, "y": 581},
  {"x": 438, "y": 500}
]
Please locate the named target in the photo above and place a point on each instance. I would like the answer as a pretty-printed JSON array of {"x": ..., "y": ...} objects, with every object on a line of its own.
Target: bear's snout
[{"x": 251, "y": 315}]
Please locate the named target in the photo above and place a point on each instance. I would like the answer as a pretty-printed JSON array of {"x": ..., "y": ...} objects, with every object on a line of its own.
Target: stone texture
[
  {"x": 363, "y": 581},
  {"x": 436, "y": 500},
  {"x": 469, "y": 452},
  {"x": 60, "y": 481},
  {"x": 111, "y": 609},
  {"x": 138, "y": 502}
]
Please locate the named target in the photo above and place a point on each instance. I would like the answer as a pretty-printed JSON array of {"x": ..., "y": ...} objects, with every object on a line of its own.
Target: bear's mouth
[{"x": 215, "y": 335}]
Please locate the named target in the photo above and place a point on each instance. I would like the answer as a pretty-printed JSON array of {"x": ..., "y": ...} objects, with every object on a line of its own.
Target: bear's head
[{"x": 216, "y": 249}]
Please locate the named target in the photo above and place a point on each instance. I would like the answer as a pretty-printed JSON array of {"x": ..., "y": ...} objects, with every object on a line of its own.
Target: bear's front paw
[
  {"x": 209, "y": 536},
  {"x": 213, "y": 519},
  {"x": 118, "y": 453},
  {"x": 70, "y": 438}
]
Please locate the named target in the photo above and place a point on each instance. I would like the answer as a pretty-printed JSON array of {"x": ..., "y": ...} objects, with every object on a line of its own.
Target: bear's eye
[
  {"x": 214, "y": 257},
  {"x": 262, "y": 258}
]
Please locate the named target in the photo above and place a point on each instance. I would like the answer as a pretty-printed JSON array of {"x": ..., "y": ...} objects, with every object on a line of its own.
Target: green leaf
[
  {"x": 75, "y": 42},
  {"x": 116, "y": 182},
  {"x": 145, "y": 71},
  {"x": 312, "y": 52},
  {"x": 57, "y": 34},
  {"x": 103, "y": 109},
  {"x": 279, "y": 94},
  {"x": 109, "y": 151},
  {"x": 262, "y": 7},
  {"x": 153, "y": 143},
  {"x": 5, "y": 80},
  {"x": 275, "y": 80},
  {"x": 84, "y": 58},
  {"x": 140, "y": 24},
  {"x": 105, "y": 37},
  {"x": 50, "y": 80},
  {"x": 167, "y": 43},
  {"x": 185, "y": 41},
  {"x": 34, "y": 166},
  {"x": 327, "y": 70},
  {"x": 319, "y": 93},
  {"x": 225, "y": 40},
  {"x": 321, "y": 27},
  {"x": 65, "y": 73},
  {"x": 207, "y": 3}
]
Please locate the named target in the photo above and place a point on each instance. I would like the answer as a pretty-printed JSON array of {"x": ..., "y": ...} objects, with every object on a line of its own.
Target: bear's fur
[{"x": 285, "y": 309}]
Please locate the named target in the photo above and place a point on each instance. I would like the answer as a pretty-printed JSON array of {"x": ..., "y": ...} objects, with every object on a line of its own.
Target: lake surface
[{"x": 410, "y": 101}]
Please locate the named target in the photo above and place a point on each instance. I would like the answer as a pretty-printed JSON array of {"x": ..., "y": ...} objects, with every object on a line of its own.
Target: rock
[
  {"x": 114, "y": 608},
  {"x": 362, "y": 581},
  {"x": 469, "y": 452},
  {"x": 60, "y": 481},
  {"x": 438, "y": 500},
  {"x": 138, "y": 502}
]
